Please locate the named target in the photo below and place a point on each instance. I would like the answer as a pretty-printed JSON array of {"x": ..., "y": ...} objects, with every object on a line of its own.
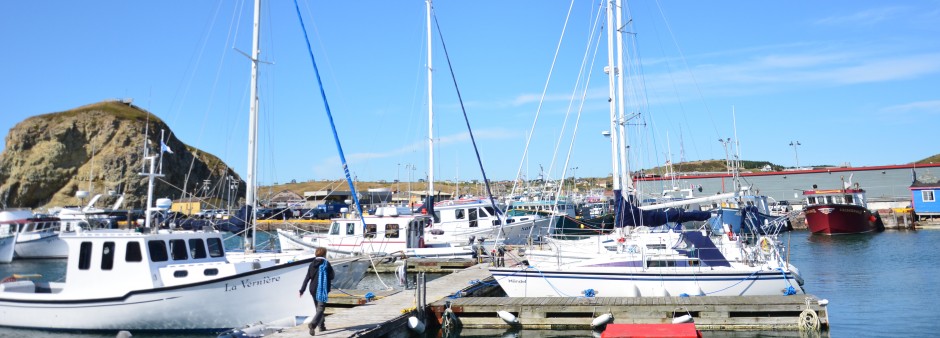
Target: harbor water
[{"x": 878, "y": 285}]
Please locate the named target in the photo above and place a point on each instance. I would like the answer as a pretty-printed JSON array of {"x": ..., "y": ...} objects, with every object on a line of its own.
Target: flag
[{"x": 165, "y": 148}]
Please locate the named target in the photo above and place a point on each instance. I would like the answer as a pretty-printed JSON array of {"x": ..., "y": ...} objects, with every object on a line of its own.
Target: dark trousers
[{"x": 319, "y": 318}]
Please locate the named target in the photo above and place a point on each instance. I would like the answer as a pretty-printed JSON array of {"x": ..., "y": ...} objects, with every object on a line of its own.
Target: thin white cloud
[
  {"x": 871, "y": 16},
  {"x": 929, "y": 107},
  {"x": 330, "y": 166}
]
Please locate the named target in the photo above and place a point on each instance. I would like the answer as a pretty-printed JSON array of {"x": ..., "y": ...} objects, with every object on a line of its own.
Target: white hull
[
  {"x": 517, "y": 233},
  {"x": 261, "y": 295},
  {"x": 653, "y": 282},
  {"x": 7, "y": 246},
  {"x": 355, "y": 246},
  {"x": 40, "y": 245}
]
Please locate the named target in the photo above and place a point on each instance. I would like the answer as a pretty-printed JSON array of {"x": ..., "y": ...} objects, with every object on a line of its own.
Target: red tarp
[{"x": 685, "y": 330}]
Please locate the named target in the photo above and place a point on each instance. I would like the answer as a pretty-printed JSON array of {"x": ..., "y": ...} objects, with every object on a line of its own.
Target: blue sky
[{"x": 852, "y": 81}]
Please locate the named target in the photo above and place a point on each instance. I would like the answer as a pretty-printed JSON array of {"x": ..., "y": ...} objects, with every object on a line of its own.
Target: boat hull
[
  {"x": 840, "y": 219},
  {"x": 7, "y": 248},
  {"x": 262, "y": 295},
  {"x": 40, "y": 245},
  {"x": 530, "y": 282}
]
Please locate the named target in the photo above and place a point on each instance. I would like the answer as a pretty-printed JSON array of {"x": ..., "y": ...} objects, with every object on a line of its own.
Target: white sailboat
[
  {"x": 459, "y": 222},
  {"x": 635, "y": 261}
]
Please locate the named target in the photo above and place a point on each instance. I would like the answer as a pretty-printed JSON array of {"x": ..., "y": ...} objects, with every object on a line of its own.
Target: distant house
[
  {"x": 286, "y": 199},
  {"x": 924, "y": 194}
]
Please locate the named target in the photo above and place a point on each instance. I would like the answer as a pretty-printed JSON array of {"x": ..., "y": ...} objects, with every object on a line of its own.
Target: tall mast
[
  {"x": 253, "y": 124},
  {"x": 614, "y": 151},
  {"x": 430, "y": 113},
  {"x": 624, "y": 169}
]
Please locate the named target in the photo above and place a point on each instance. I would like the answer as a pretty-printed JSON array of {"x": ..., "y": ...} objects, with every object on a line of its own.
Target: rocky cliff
[{"x": 98, "y": 148}]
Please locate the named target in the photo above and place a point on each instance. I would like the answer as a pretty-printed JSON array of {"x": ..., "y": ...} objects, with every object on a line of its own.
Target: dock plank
[{"x": 371, "y": 315}]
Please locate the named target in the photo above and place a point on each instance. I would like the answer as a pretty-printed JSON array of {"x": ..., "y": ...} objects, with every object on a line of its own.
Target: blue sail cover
[{"x": 628, "y": 214}]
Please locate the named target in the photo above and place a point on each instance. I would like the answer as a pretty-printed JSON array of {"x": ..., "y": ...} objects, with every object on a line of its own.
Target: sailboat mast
[
  {"x": 253, "y": 122},
  {"x": 624, "y": 169},
  {"x": 430, "y": 112},
  {"x": 614, "y": 151}
]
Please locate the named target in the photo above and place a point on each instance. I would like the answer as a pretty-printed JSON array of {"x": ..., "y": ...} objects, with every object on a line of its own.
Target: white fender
[
  {"x": 507, "y": 317},
  {"x": 682, "y": 319},
  {"x": 695, "y": 290},
  {"x": 660, "y": 291},
  {"x": 602, "y": 320},
  {"x": 823, "y": 302},
  {"x": 415, "y": 324},
  {"x": 632, "y": 290}
]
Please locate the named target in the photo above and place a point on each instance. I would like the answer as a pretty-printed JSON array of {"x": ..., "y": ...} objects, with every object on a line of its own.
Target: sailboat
[
  {"x": 464, "y": 222},
  {"x": 638, "y": 260}
]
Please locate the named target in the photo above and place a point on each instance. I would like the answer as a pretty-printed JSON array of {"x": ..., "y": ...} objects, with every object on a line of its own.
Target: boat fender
[
  {"x": 823, "y": 302},
  {"x": 369, "y": 296},
  {"x": 589, "y": 293},
  {"x": 507, "y": 317},
  {"x": 415, "y": 324},
  {"x": 682, "y": 319},
  {"x": 602, "y": 320}
]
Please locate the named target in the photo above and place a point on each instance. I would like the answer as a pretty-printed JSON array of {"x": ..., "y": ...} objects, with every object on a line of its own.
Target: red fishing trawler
[{"x": 839, "y": 211}]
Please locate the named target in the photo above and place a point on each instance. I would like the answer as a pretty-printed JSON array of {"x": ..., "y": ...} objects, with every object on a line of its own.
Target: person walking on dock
[{"x": 320, "y": 277}]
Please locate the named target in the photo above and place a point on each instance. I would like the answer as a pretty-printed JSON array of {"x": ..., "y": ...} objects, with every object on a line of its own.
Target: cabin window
[
  {"x": 157, "y": 250},
  {"x": 350, "y": 228},
  {"x": 473, "y": 216},
  {"x": 849, "y": 199},
  {"x": 928, "y": 195},
  {"x": 661, "y": 264},
  {"x": 490, "y": 211},
  {"x": 132, "y": 252},
  {"x": 370, "y": 231},
  {"x": 811, "y": 200},
  {"x": 459, "y": 214},
  {"x": 178, "y": 249},
  {"x": 334, "y": 229},
  {"x": 107, "y": 256},
  {"x": 215, "y": 247},
  {"x": 197, "y": 248},
  {"x": 210, "y": 272},
  {"x": 391, "y": 231},
  {"x": 656, "y": 246},
  {"x": 828, "y": 199},
  {"x": 84, "y": 256},
  {"x": 180, "y": 273}
]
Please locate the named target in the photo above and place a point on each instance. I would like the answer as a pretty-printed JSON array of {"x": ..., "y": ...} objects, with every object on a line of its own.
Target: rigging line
[
  {"x": 538, "y": 110},
  {"x": 329, "y": 116},
  {"x": 684, "y": 61},
  {"x": 476, "y": 150},
  {"x": 578, "y": 83},
  {"x": 577, "y": 122}
]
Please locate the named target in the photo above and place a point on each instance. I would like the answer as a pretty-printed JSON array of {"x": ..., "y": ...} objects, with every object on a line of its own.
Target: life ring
[
  {"x": 621, "y": 240},
  {"x": 764, "y": 244}
]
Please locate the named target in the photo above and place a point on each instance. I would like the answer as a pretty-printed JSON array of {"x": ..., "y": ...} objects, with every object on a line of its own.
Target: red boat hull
[{"x": 838, "y": 219}]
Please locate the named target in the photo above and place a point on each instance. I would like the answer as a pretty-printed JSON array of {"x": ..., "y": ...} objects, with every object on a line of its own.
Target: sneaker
[
  {"x": 322, "y": 328},
  {"x": 313, "y": 332}
]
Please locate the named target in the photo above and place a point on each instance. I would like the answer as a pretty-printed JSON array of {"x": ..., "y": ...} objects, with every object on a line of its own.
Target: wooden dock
[
  {"x": 709, "y": 313},
  {"x": 390, "y": 314}
]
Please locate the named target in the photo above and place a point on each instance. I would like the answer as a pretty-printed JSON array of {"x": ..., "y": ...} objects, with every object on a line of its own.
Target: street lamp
[
  {"x": 724, "y": 143},
  {"x": 574, "y": 178},
  {"x": 794, "y": 144}
]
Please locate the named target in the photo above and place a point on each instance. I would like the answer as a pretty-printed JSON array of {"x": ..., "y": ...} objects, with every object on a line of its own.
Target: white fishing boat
[
  {"x": 37, "y": 235},
  {"x": 391, "y": 231}
]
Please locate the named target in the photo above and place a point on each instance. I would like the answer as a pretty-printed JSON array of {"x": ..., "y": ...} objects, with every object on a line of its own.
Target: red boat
[{"x": 839, "y": 211}]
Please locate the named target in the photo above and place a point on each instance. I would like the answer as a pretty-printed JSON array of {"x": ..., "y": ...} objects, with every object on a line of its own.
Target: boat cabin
[
  {"x": 111, "y": 263},
  {"x": 834, "y": 196}
]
